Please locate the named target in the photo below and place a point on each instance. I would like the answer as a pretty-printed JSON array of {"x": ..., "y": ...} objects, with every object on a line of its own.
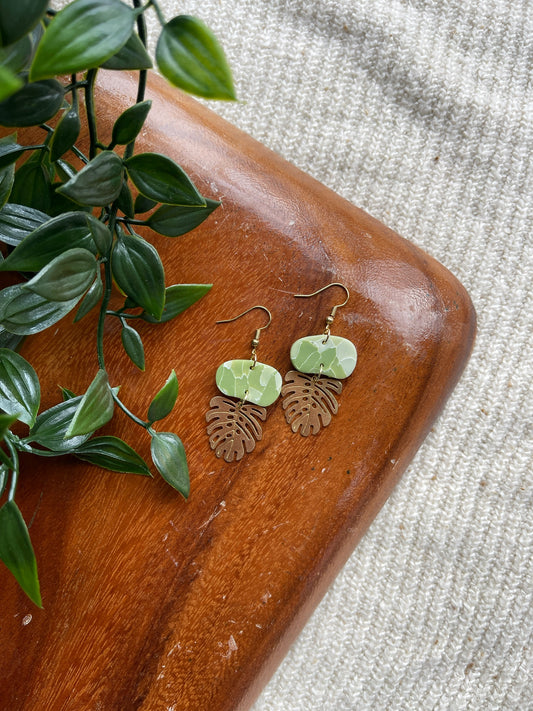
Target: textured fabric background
[{"x": 420, "y": 112}]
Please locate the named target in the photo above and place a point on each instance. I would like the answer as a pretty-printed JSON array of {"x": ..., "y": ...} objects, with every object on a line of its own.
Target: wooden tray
[{"x": 151, "y": 602}]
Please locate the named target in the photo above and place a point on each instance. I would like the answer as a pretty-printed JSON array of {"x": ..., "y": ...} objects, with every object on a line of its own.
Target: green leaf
[
  {"x": 9, "y": 83},
  {"x": 7, "y": 174},
  {"x": 124, "y": 201},
  {"x": 178, "y": 297},
  {"x": 9, "y": 151},
  {"x": 114, "y": 454},
  {"x": 25, "y": 313},
  {"x": 16, "y": 56},
  {"x": 164, "y": 401},
  {"x": 91, "y": 298},
  {"x": 18, "y": 17},
  {"x": 60, "y": 204},
  {"x": 31, "y": 186},
  {"x": 139, "y": 272},
  {"x": 83, "y": 35},
  {"x": 95, "y": 409},
  {"x": 34, "y": 103},
  {"x": 129, "y": 123},
  {"x": 20, "y": 393},
  {"x": 67, "y": 394},
  {"x": 7, "y": 177},
  {"x": 51, "y": 426},
  {"x": 66, "y": 133},
  {"x": 190, "y": 57},
  {"x": 98, "y": 183},
  {"x": 102, "y": 237},
  {"x": 160, "y": 178},
  {"x": 177, "y": 220},
  {"x": 133, "y": 345},
  {"x": 168, "y": 456},
  {"x": 132, "y": 55},
  {"x": 17, "y": 221},
  {"x": 143, "y": 204},
  {"x": 48, "y": 241},
  {"x": 67, "y": 276},
  {"x": 16, "y": 551}
]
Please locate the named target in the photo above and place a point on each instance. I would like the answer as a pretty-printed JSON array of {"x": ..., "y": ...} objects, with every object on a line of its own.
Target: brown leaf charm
[
  {"x": 234, "y": 428},
  {"x": 309, "y": 401}
]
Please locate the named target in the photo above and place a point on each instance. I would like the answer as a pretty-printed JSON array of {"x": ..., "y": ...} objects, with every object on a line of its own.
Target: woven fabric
[{"x": 420, "y": 112}]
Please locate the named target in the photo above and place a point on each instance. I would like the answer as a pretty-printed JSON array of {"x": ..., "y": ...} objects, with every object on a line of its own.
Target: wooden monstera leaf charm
[
  {"x": 309, "y": 393},
  {"x": 234, "y": 427},
  {"x": 234, "y": 424},
  {"x": 309, "y": 401}
]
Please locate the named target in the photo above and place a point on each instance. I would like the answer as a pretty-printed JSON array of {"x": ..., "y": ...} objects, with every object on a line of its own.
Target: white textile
[{"x": 421, "y": 113}]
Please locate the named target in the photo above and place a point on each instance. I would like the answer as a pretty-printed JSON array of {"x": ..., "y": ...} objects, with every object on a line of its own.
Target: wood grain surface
[{"x": 153, "y": 603}]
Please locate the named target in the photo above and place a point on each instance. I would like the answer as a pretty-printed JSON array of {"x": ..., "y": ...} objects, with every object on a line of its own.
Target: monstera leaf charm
[
  {"x": 309, "y": 401},
  {"x": 234, "y": 427}
]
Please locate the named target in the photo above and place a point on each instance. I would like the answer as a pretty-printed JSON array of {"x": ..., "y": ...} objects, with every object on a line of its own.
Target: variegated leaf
[
  {"x": 309, "y": 402},
  {"x": 233, "y": 427}
]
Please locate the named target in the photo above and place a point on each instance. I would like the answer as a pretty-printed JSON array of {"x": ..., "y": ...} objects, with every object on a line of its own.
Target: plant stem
[
  {"x": 108, "y": 283},
  {"x": 79, "y": 154},
  {"x": 141, "y": 29},
  {"x": 91, "y": 116},
  {"x": 5, "y": 461},
  {"x": 141, "y": 86},
  {"x": 75, "y": 85},
  {"x": 158, "y": 12},
  {"x": 44, "y": 452},
  {"x": 35, "y": 148},
  {"x": 122, "y": 314},
  {"x": 131, "y": 221},
  {"x": 129, "y": 413}
]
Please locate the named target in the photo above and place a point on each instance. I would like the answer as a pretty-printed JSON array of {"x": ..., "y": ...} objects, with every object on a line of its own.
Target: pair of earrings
[{"x": 248, "y": 387}]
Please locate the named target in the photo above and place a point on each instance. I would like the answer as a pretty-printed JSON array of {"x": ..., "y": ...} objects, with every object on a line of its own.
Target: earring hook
[
  {"x": 229, "y": 320},
  {"x": 335, "y": 283},
  {"x": 331, "y": 317},
  {"x": 255, "y": 340}
]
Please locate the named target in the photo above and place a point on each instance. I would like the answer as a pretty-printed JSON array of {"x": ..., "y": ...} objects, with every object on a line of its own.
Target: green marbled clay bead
[
  {"x": 338, "y": 355},
  {"x": 263, "y": 382}
]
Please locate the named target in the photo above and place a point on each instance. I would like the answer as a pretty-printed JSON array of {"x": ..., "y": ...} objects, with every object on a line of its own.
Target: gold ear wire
[
  {"x": 255, "y": 340},
  {"x": 331, "y": 317}
]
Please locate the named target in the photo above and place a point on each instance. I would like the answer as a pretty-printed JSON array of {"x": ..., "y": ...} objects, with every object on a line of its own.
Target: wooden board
[{"x": 151, "y": 602}]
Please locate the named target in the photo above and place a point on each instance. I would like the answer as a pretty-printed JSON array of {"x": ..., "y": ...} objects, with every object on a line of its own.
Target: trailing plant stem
[
  {"x": 44, "y": 452},
  {"x": 141, "y": 85},
  {"x": 108, "y": 284},
  {"x": 158, "y": 12},
  {"x": 129, "y": 413},
  {"x": 91, "y": 115}
]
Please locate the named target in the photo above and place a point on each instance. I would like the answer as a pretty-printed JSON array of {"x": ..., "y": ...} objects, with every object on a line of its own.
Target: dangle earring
[
  {"x": 234, "y": 426},
  {"x": 321, "y": 362}
]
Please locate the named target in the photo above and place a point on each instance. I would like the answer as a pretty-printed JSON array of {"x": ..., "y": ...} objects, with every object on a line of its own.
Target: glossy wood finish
[{"x": 154, "y": 603}]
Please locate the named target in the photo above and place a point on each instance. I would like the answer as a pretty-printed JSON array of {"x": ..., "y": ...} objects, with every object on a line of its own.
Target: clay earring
[
  {"x": 321, "y": 362},
  {"x": 234, "y": 426}
]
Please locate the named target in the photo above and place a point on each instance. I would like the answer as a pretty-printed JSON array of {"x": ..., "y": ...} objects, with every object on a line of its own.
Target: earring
[
  {"x": 321, "y": 362},
  {"x": 234, "y": 426}
]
